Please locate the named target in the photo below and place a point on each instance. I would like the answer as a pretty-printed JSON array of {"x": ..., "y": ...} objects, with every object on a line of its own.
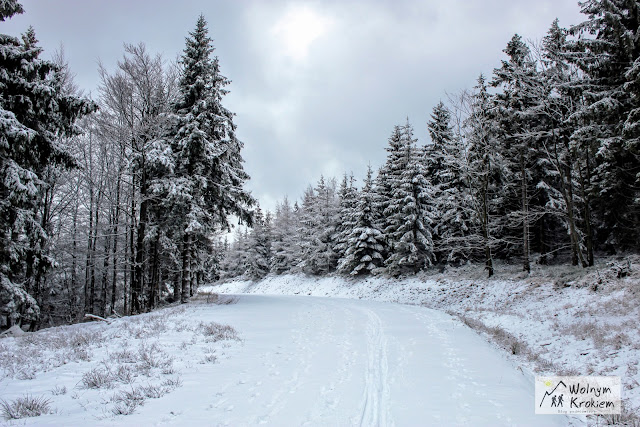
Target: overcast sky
[{"x": 317, "y": 85}]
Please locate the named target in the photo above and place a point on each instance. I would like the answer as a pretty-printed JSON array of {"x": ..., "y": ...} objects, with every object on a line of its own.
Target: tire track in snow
[{"x": 375, "y": 401}]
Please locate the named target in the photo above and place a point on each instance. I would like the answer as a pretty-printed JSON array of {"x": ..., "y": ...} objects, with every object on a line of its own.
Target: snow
[
  {"x": 560, "y": 321},
  {"x": 311, "y": 360},
  {"x": 299, "y": 361}
]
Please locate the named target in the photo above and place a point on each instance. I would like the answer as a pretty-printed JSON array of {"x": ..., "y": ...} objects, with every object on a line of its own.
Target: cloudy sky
[{"x": 317, "y": 85}]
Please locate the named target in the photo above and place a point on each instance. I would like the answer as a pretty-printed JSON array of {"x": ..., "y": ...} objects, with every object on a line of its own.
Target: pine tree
[
  {"x": 443, "y": 163},
  {"x": 409, "y": 214},
  {"x": 364, "y": 253},
  {"x": 555, "y": 104},
  {"x": 259, "y": 246},
  {"x": 346, "y": 216},
  {"x": 389, "y": 174},
  {"x": 328, "y": 216},
  {"x": 513, "y": 102},
  {"x": 606, "y": 51},
  {"x": 318, "y": 217},
  {"x": 285, "y": 247},
  {"x": 34, "y": 114},
  {"x": 208, "y": 161},
  {"x": 441, "y": 138},
  {"x": 235, "y": 261},
  {"x": 307, "y": 233},
  {"x": 483, "y": 172}
]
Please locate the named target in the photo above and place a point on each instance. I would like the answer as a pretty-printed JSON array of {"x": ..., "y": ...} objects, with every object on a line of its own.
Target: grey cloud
[{"x": 332, "y": 112}]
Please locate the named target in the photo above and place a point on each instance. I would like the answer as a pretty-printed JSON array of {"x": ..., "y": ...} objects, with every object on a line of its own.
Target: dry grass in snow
[{"x": 97, "y": 371}]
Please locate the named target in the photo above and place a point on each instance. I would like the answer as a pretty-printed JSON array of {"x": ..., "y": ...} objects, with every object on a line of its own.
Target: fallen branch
[{"x": 94, "y": 317}]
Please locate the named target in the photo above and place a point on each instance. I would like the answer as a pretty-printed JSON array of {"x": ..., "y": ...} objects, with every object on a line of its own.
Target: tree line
[
  {"x": 539, "y": 162},
  {"x": 111, "y": 205}
]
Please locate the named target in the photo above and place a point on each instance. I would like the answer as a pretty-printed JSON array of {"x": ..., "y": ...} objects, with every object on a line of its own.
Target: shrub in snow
[
  {"x": 210, "y": 358},
  {"x": 126, "y": 402},
  {"x": 97, "y": 378},
  {"x": 24, "y": 407},
  {"x": 125, "y": 374},
  {"x": 172, "y": 383},
  {"x": 151, "y": 356},
  {"x": 58, "y": 391},
  {"x": 153, "y": 391},
  {"x": 123, "y": 356},
  {"x": 217, "y": 332}
]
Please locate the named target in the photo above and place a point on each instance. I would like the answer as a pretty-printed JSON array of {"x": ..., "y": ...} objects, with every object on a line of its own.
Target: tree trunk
[
  {"x": 177, "y": 289},
  {"x": 74, "y": 255},
  {"x": 573, "y": 233},
  {"x": 154, "y": 279},
  {"x": 544, "y": 247},
  {"x": 526, "y": 263},
  {"x": 89, "y": 260},
  {"x": 134, "y": 301},
  {"x": 125, "y": 270},
  {"x": 114, "y": 251},
  {"x": 585, "y": 183},
  {"x": 92, "y": 289},
  {"x": 587, "y": 216},
  {"x": 140, "y": 245},
  {"x": 105, "y": 274},
  {"x": 194, "y": 270},
  {"x": 485, "y": 221},
  {"x": 186, "y": 268}
]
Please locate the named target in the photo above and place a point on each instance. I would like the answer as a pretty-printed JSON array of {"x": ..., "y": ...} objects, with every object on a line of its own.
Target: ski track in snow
[{"x": 375, "y": 406}]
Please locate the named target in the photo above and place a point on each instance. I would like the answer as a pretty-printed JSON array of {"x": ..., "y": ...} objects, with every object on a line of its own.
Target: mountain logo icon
[{"x": 556, "y": 401}]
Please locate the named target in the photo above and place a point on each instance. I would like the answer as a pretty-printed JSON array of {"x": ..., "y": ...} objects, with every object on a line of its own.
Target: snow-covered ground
[
  {"x": 556, "y": 321},
  {"x": 301, "y": 360},
  {"x": 294, "y": 361}
]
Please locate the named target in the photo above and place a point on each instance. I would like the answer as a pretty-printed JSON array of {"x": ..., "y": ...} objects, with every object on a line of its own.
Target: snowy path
[
  {"x": 320, "y": 361},
  {"x": 303, "y": 361}
]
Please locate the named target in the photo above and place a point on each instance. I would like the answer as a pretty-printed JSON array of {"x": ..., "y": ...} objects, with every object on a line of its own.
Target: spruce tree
[
  {"x": 259, "y": 246},
  {"x": 285, "y": 247},
  {"x": 606, "y": 51},
  {"x": 556, "y": 102},
  {"x": 409, "y": 212},
  {"x": 346, "y": 215},
  {"x": 514, "y": 79},
  {"x": 318, "y": 218},
  {"x": 483, "y": 173},
  {"x": 389, "y": 175},
  {"x": 443, "y": 161},
  {"x": 208, "y": 161},
  {"x": 364, "y": 252},
  {"x": 35, "y": 114}
]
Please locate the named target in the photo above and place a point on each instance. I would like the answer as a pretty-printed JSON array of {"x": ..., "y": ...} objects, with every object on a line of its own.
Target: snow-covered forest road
[
  {"x": 296, "y": 360},
  {"x": 328, "y": 361}
]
